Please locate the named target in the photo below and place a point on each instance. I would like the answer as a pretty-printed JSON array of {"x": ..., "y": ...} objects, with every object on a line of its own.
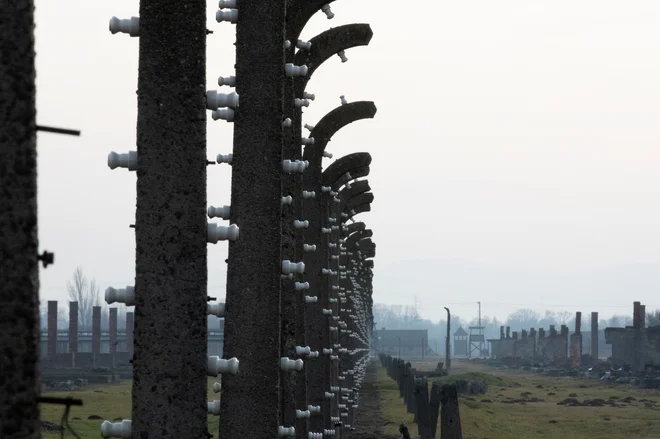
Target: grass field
[
  {"x": 495, "y": 415},
  {"x": 109, "y": 401}
]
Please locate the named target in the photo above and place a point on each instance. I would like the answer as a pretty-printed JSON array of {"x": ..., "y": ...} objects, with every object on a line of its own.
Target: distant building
[
  {"x": 461, "y": 342},
  {"x": 403, "y": 342}
]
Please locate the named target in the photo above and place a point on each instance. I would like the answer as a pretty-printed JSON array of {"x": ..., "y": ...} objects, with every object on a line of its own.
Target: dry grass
[
  {"x": 109, "y": 401},
  {"x": 489, "y": 416}
]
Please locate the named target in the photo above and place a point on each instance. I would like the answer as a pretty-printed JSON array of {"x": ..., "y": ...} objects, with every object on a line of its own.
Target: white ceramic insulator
[
  {"x": 341, "y": 406},
  {"x": 129, "y": 26},
  {"x": 224, "y": 114},
  {"x": 287, "y": 200},
  {"x": 303, "y": 45},
  {"x": 334, "y": 228},
  {"x": 217, "y": 365},
  {"x": 335, "y": 287},
  {"x": 336, "y": 346},
  {"x": 314, "y": 408},
  {"x": 120, "y": 295},
  {"x": 215, "y": 309},
  {"x": 335, "y": 318},
  {"x": 128, "y": 160},
  {"x": 223, "y": 212},
  {"x": 215, "y": 100},
  {"x": 310, "y": 96},
  {"x": 287, "y": 276},
  {"x": 302, "y": 414},
  {"x": 298, "y": 224},
  {"x": 309, "y": 248},
  {"x": 333, "y": 193},
  {"x": 307, "y": 140},
  {"x": 332, "y": 300},
  {"x": 332, "y": 220},
  {"x": 222, "y": 4},
  {"x": 221, "y": 233},
  {"x": 229, "y": 15},
  {"x": 334, "y": 389},
  {"x": 334, "y": 418},
  {"x": 342, "y": 98},
  {"x": 327, "y": 351},
  {"x": 329, "y": 395},
  {"x": 287, "y": 123},
  {"x": 217, "y": 387},
  {"x": 311, "y": 299},
  {"x": 355, "y": 406},
  {"x": 290, "y": 166},
  {"x": 227, "y": 80},
  {"x": 314, "y": 354},
  {"x": 353, "y": 212},
  {"x": 300, "y": 286},
  {"x": 303, "y": 350},
  {"x": 342, "y": 55},
  {"x": 286, "y": 431},
  {"x": 312, "y": 435},
  {"x": 344, "y": 414},
  {"x": 293, "y": 70},
  {"x": 287, "y": 364},
  {"x": 341, "y": 267},
  {"x": 309, "y": 194},
  {"x": 287, "y": 44},
  {"x": 334, "y": 257},
  {"x": 327, "y": 11},
  {"x": 289, "y": 267},
  {"x": 301, "y": 102},
  {"x": 326, "y": 312},
  {"x": 213, "y": 407},
  {"x": 224, "y": 158},
  {"x": 120, "y": 429},
  {"x": 327, "y": 432},
  {"x": 326, "y": 189},
  {"x": 333, "y": 328},
  {"x": 309, "y": 127},
  {"x": 325, "y": 230},
  {"x": 327, "y": 154}
]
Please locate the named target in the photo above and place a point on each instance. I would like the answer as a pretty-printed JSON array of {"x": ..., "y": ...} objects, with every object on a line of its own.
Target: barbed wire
[{"x": 64, "y": 422}]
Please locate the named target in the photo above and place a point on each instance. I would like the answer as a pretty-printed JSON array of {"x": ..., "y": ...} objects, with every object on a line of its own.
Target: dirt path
[{"x": 369, "y": 420}]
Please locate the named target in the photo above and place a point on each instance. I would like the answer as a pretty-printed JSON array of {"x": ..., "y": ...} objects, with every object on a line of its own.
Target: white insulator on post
[
  {"x": 342, "y": 55},
  {"x": 327, "y": 432},
  {"x": 228, "y": 15},
  {"x": 303, "y": 350},
  {"x": 223, "y": 4},
  {"x": 217, "y": 387},
  {"x": 287, "y": 200},
  {"x": 120, "y": 429},
  {"x": 286, "y": 431},
  {"x": 309, "y": 194},
  {"x": 298, "y": 224},
  {"x": 215, "y": 100},
  {"x": 120, "y": 295},
  {"x": 309, "y": 248},
  {"x": 129, "y": 26},
  {"x": 290, "y": 166},
  {"x": 292, "y": 70},
  {"x": 215, "y": 309},
  {"x": 326, "y": 312},
  {"x": 307, "y": 140},
  {"x": 301, "y": 102},
  {"x": 327, "y": 154},
  {"x": 217, "y": 365},
  {"x": 311, "y": 299},
  {"x": 224, "y": 114},
  {"x": 289, "y": 267},
  {"x": 312, "y": 435},
  {"x": 217, "y": 233},
  {"x": 227, "y": 80},
  {"x": 314, "y": 408},
  {"x": 314, "y": 354},
  {"x": 287, "y": 123},
  {"x": 224, "y": 158},
  {"x": 328, "y": 12},
  {"x": 309, "y": 127},
  {"x": 326, "y": 230},
  {"x": 329, "y": 395},
  {"x": 219, "y": 212},
  {"x": 310, "y": 96},
  {"x": 303, "y": 45},
  {"x": 342, "y": 98},
  {"x": 287, "y": 364},
  {"x": 327, "y": 351},
  {"x": 302, "y": 414},
  {"x": 213, "y": 407},
  {"x": 128, "y": 160},
  {"x": 302, "y": 286},
  {"x": 326, "y": 188}
]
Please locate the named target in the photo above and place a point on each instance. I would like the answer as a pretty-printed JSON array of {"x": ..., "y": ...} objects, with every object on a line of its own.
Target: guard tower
[{"x": 477, "y": 339}]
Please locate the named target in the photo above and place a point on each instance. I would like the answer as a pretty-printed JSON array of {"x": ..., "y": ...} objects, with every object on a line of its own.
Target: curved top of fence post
[
  {"x": 348, "y": 163},
  {"x": 298, "y": 14}
]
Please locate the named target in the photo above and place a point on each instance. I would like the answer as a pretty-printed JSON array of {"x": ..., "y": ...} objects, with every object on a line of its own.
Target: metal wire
[{"x": 68, "y": 402}]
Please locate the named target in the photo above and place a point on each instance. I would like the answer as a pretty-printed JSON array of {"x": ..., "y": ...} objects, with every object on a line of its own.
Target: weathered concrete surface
[
  {"x": 170, "y": 358},
  {"x": 129, "y": 334},
  {"x": 96, "y": 333},
  {"x": 52, "y": 328},
  {"x": 19, "y": 273},
  {"x": 252, "y": 322},
  {"x": 73, "y": 326}
]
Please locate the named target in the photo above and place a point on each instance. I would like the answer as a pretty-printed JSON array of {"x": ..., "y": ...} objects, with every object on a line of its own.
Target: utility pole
[
  {"x": 448, "y": 345},
  {"x": 19, "y": 271},
  {"x": 253, "y": 307}
]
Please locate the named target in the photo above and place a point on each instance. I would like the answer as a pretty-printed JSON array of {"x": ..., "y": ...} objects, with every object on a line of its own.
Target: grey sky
[{"x": 514, "y": 151}]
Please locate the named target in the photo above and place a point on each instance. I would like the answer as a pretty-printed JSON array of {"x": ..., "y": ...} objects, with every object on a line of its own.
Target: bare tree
[{"x": 86, "y": 293}]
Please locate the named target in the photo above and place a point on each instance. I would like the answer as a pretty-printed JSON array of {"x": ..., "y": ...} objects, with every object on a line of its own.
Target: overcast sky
[{"x": 515, "y": 149}]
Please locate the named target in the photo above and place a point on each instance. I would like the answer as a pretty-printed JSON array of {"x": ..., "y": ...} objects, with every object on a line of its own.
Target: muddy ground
[{"x": 369, "y": 420}]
